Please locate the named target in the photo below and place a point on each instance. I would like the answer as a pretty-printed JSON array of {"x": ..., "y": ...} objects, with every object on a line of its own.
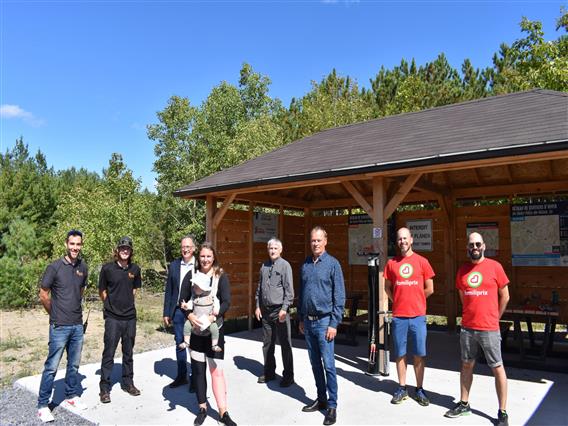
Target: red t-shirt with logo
[
  {"x": 407, "y": 275},
  {"x": 480, "y": 284}
]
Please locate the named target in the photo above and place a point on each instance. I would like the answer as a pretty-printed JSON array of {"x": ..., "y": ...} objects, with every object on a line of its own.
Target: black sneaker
[
  {"x": 399, "y": 395},
  {"x": 421, "y": 397},
  {"x": 502, "y": 418},
  {"x": 226, "y": 420},
  {"x": 459, "y": 410},
  {"x": 201, "y": 416}
]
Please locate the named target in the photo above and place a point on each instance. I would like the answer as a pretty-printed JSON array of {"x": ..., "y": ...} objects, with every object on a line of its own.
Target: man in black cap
[{"x": 118, "y": 282}]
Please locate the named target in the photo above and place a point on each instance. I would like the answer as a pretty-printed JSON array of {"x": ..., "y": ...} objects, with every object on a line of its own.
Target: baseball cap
[{"x": 125, "y": 242}]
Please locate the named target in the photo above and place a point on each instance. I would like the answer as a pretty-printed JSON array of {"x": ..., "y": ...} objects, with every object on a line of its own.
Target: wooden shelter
[{"x": 449, "y": 162}]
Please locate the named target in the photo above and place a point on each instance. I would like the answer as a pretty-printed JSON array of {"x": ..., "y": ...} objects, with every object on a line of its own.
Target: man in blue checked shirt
[{"x": 322, "y": 300}]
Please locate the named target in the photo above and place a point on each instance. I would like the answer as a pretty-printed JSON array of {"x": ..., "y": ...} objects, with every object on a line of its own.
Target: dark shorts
[
  {"x": 489, "y": 341},
  {"x": 203, "y": 344},
  {"x": 411, "y": 330}
]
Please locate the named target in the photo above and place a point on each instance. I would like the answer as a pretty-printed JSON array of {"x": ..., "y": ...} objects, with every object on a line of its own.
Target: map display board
[
  {"x": 490, "y": 233},
  {"x": 361, "y": 238},
  {"x": 539, "y": 234},
  {"x": 265, "y": 227},
  {"x": 421, "y": 231}
]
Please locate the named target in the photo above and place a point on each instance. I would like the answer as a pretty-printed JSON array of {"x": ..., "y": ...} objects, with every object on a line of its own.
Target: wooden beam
[
  {"x": 551, "y": 174},
  {"x": 250, "y": 261},
  {"x": 560, "y": 186},
  {"x": 274, "y": 200},
  {"x": 307, "y": 229},
  {"x": 380, "y": 245},
  {"x": 400, "y": 194},
  {"x": 221, "y": 212},
  {"x": 448, "y": 209},
  {"x": 478, "y": 180},
  {"x": 430, "y": 187},
  {"x": 211, "y": 207},
  {"x": 281, "y": 225},
  {"x": 357, "y": 196},
  {"x": 509, "y": 173},
  {"x": 471, "y": 164}
]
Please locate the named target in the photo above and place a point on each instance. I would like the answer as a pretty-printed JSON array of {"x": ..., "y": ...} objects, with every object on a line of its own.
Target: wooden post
[
  {"x": 379, "y": 221},
  {"x": 251, "y": 308},
  {"x": 281, "y": 224},
  {"x": 447, "y": 205},
  {"x": 211, "y": 205},
  {"x": 308, "y": 228}
]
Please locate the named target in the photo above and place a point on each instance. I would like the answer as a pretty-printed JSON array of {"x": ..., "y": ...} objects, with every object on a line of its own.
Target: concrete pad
[{"x": 534, "y": 397}]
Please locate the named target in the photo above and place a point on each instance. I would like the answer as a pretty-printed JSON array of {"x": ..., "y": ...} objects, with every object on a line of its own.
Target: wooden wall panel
[{"x": 233, "y": 237}]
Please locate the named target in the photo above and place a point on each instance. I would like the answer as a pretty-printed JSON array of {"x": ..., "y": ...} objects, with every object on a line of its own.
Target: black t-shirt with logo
[
  {"x": 65, "y": 281},
  {"x": 119, "y": 283}
]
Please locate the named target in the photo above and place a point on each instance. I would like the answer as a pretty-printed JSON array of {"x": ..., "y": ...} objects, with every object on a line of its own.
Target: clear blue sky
[{"x": 82, "y": 79}]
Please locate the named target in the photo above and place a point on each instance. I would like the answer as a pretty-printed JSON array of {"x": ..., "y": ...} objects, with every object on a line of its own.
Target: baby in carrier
[{"x": 203, "y": 302}]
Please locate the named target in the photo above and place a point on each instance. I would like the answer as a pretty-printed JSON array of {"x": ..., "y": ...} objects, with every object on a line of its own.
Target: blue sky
[{"x": 82, "y": 79}]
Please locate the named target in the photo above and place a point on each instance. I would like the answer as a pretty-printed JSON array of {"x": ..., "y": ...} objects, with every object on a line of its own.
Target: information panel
[
  {"x": 265, "y": 227},
  {"x": 361, "y": 233},
  {"x": 539, "y": 234},
  {"x": 421, "y": 231}
]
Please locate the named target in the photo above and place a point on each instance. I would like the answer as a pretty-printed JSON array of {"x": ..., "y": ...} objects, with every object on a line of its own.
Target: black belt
[{"x": 317, "y": 317}]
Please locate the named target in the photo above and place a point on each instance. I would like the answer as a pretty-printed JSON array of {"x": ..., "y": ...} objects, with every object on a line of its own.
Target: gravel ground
[{"x": 19, "y": 408}]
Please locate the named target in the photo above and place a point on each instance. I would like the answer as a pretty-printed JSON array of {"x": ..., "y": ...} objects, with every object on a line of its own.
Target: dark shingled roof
[{"x": 513, "y": 124}]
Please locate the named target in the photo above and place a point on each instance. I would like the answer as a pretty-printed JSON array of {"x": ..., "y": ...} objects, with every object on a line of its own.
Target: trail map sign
[
  {"x": 361, "y": 234},
  {"x": 539, "y": 234}
]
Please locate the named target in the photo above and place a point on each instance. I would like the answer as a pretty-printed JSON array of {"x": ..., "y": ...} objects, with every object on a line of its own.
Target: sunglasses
[{"x": 472, "y": 245}]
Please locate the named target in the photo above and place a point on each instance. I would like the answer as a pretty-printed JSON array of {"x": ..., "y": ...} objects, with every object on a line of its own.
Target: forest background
[{"x": 233, "y": 124}]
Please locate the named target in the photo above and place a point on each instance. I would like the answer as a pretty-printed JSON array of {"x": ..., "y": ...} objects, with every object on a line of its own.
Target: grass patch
[{"x": 12, "y": 342}]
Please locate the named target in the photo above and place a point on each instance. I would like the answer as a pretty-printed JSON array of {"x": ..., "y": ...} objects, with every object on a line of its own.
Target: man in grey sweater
[{"x": 274, "y": 296}]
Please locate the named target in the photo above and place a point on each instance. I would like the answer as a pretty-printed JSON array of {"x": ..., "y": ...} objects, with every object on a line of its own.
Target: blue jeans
[
  {"x": 62, "y": 337},
  {"x": 321, "y": 350},
  {"x": 179, "y": 320}
]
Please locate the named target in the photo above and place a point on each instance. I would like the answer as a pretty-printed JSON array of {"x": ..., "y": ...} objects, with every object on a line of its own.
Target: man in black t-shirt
[
  {"x": 118, "y": 282},
  {"x": 60, "y": 293}
]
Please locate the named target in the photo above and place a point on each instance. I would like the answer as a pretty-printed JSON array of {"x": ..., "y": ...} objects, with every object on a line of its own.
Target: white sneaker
[
  {"x": 44, "y": 414},
  {"x": 74, "y": 404}
]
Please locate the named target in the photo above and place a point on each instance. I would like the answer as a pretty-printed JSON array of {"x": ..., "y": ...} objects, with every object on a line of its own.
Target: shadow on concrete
[
  {"x": 255, "y": 368},
  {"x": 179, "y": 396},
  {"x": 58, "y": 395}
]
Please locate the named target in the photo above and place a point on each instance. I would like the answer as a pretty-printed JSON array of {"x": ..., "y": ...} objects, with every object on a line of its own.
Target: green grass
[{"x": 12, "y": 342}]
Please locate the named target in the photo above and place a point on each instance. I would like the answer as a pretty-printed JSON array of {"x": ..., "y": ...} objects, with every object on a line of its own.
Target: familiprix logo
[
  {"x": 406, "y": 270},
  {"x": 474, "y": 279}
]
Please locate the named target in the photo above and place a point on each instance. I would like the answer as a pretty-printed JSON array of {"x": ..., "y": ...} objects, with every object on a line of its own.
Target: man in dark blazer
[{"x": 178, "y": 290}]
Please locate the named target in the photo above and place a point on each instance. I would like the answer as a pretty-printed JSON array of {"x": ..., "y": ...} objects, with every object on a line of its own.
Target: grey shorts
[{"x": 489, "y": 341}]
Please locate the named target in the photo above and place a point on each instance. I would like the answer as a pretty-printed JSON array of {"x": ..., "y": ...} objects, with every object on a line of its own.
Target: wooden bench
[
  {"x": 504, "y": 328},
  {"x": 350, "y": 322}
]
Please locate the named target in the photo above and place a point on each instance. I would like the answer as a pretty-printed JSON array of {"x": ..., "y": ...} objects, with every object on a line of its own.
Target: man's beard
[{"x": 475, "y": 254}]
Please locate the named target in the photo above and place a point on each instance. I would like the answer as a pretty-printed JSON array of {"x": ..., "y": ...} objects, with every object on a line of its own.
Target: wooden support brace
[
  {"x": 358, "y": 197},
  {"x": 221, "y": 212},
  {"x": 401, "y": 192}
]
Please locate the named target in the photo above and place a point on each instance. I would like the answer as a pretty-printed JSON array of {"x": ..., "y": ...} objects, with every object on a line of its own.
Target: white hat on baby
[{"x": 201, "y": 280}]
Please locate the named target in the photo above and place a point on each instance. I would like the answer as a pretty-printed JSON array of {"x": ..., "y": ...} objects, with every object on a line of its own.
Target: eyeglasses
[
  {"x": 74, "y": 233},
  {"x": 476, "y": 244}
]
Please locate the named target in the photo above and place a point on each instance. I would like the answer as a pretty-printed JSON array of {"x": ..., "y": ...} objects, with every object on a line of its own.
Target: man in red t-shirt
[
  {"x": 408, "y": 282},
  {"x": 482, "y": 285}
]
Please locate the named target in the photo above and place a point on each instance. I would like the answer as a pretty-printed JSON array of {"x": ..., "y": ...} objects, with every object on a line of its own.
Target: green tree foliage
[
  {"x": 28, "y": 191},
  {"x": 113, "y": 208},
  {"x": 532, "y": 62},
  {"x": 232, "y": 125},
  {"x": 21, "y": 265}
]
